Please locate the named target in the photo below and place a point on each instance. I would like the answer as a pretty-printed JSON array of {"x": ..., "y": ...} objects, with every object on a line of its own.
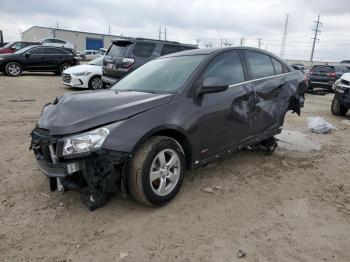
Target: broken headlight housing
[{"x": 87, "y": 141}]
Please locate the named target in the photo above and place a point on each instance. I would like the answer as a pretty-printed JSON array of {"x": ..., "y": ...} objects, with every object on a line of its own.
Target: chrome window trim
[{"x": 253, "y": 80}]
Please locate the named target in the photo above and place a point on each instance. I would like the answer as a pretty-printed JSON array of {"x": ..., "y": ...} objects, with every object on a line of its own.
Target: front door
[{"x": 224, "y": 118}]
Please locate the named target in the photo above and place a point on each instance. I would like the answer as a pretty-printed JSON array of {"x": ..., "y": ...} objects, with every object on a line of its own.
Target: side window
[
  {"x": 55, "y": 51},
  {"x": 58, "y": 41},
  {"x": 227, "y": 66},
  {"x": 184, "y": 48},
  {"x": 260, "y": 64},
  {"x": 143, "y": 49},
  {"x": 38, "y": 51},
  {"x": 17, "y": 46},
  {"x": 278, "y": 66},
  {"x": 169, "y": 49}
]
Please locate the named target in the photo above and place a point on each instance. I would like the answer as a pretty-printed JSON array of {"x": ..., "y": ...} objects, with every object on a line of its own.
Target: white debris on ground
[
  {"x": 319, "y": 125},
  {"x": 345, "y": 122},
  {"x": 296, "y": 141}
]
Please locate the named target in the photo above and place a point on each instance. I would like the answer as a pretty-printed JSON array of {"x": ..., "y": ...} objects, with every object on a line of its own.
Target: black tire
[
  {"x": 92, "y": 84},
  {"x": 13, "y": 69},
  {"x": 338, "y": 109},
  {"x": 139, "y": 181},
  {"x": 64, "y": 66}
]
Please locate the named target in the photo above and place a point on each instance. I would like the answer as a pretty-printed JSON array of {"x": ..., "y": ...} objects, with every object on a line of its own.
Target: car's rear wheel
[
  {"x": 64, "y": 66},
  {"x": 157, "y": 171},
  {"x": 338, "y": 109},
  {"x": 95, "y": 83},
  {"x": 13, "y": 69}
]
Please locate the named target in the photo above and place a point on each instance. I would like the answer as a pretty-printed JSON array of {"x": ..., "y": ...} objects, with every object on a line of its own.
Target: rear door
[
  {"x": 56, "y": 57},
  {"x": 271, "y": 91},
  {"x": 225, "y": 118}
]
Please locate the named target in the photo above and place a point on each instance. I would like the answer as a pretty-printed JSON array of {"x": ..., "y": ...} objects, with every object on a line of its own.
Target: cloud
[{"x": 188, "y": 20}]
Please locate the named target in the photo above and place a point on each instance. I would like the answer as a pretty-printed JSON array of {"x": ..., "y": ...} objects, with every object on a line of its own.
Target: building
[{"x": 81, "y": 40}]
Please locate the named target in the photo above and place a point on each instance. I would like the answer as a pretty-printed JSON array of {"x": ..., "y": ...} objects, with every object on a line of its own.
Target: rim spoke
[
  {"x": 161, "y": 158},
  {"x": 172, "y": 161},
  {"x": 172, "y": 177},
  {"x": 155, "y": 175},
  {"x": 162, "y": 185}
]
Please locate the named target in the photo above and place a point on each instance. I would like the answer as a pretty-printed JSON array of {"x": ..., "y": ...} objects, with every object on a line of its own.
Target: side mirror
[
  {"x": 27, "y": 54},
  {"x": 213, "y": 85}
]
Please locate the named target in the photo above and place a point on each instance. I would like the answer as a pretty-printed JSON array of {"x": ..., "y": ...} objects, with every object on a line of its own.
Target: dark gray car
[{"x": 175, "y": 113}]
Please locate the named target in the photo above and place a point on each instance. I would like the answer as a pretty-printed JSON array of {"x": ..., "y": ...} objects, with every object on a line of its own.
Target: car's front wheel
[
  {"x": 157, "y": 171},
  {"x": 13, "y": 69},
  {"x": 95, "y": 82},
  {"x": 338, "y": 109}
]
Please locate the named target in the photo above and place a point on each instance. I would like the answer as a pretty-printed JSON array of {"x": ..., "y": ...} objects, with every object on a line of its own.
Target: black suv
[
  {"x": 125, "y": 55},
  {"x": 324, "y": 76},
  {"x": 175, "y": 113},
  {"x": 39, "y": 59}
]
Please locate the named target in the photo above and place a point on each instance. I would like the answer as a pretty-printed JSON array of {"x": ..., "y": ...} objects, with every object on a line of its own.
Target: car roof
[
  {"x": 139, "y": 39},
  {"x": 209, "y": 51}
]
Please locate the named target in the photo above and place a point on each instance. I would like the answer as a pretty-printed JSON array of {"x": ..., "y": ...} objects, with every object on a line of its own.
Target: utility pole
[
  {"x": 317, "y": 32},
  {"x": 160, "y": 33},
  {"x": 260, "y": 42},
  {"x": 109, "y": 29},
  {"x": 57, "y": 24},
  {"x": 242, "y": 41},
  {"x": 165, "y": 33},
  {"x": 283, "y": 46}
]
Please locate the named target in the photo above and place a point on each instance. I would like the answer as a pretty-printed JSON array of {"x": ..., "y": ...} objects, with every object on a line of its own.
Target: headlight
[
  {"x": 88, "y": 141},
  {"x": 82, "y": 74}
]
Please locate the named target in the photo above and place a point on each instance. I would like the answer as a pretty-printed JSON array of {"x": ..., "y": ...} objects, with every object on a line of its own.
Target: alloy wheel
[
  {"x": 165, "y": 172},
  {"x": 96, "y": 83},
  {"x": 13, "y": 69}
]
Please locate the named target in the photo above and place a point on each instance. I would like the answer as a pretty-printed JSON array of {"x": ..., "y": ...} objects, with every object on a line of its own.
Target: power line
[{"x": 317, "y": 32}]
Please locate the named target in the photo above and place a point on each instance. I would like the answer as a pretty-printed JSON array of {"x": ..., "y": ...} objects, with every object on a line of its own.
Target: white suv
[{"x": 56, "y": 42}]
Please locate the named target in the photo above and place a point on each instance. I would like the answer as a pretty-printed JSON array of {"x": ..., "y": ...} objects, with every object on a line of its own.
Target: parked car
[
  {"x": 175, "y": 113},
  {"x": 37, "y": 58},
  {"x": 125, "y": 55},
  {"x": 90, "y": 54},
  {"x": 102, "y": 51},
  {"x": 57, "y": 42},
  {"x": 341, "y": 99},
  {"x": 15, "y": 46},
  {"x": 84, "y": 76},
  {"x": 324, "y": 76}
]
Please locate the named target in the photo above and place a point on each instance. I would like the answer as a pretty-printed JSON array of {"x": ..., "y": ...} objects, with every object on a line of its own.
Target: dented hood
[{"x": 76, "y": 112}]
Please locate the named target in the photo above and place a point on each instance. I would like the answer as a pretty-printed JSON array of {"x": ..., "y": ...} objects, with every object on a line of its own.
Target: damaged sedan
[{"x": 173, "y": 114}]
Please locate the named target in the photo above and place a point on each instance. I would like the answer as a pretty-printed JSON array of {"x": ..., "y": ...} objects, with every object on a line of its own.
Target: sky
[{"x": 192, "y": 21}]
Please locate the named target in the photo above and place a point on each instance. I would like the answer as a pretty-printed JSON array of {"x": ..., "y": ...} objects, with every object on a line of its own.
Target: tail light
[
  {"x": 127, "y": 62},
  {"x": 332, "y": 74}
]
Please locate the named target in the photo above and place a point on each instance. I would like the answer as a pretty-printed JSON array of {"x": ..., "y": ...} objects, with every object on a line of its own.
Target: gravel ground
[{"x": 291, "y": 206}]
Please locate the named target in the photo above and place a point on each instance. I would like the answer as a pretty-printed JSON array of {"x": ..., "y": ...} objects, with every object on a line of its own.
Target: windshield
[
  {"x": 23, "y": 50},
  {"x": 8, "y": 45},
  {"x": 97, "y": 62},
  {"x": 165, "y": 75}
]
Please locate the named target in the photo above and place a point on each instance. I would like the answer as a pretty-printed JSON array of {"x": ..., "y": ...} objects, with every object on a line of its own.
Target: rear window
[
  {"x": 260, "y": 64},
  {"x": 278, "y": 66},
  {"x": 169, "y": 49},
  {"x": 118, "y": 48},
  {"x": 143, "y": 49},
  {"x": 323, "y": 69}
]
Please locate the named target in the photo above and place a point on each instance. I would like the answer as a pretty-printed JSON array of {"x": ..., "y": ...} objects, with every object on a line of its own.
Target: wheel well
[{"x": 179, "y": 137}]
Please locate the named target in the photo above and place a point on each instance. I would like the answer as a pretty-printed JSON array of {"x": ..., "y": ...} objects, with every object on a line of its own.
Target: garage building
[{"x": 81, "y": 40}]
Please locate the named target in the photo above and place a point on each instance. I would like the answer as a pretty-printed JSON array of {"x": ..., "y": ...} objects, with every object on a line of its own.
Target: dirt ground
[{"x": 291, "y": 206}]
